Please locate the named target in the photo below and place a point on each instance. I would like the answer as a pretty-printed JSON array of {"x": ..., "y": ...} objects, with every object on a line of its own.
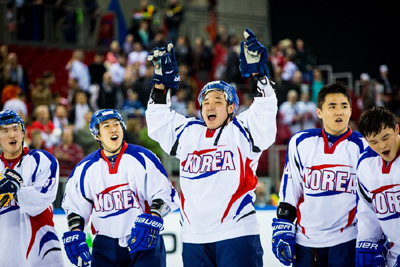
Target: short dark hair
[
  {"x": 373, "y": 120},
  {"x": 332, "y": 88}
]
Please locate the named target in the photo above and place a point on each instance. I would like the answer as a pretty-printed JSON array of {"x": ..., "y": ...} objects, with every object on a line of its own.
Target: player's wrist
[{"x": 159, "y": 86}]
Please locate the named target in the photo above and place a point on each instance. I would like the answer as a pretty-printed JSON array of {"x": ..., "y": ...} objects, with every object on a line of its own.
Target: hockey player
[
  {"x": 378, "y": 188},
  {"x": 28, "y": 186},
  {"x": 218, "y": 157},
  {"x": 118, "y": 186},
  {"x": 318, "y": 189}
]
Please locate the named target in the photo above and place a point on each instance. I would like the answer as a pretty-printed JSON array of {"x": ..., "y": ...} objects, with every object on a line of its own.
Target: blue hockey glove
[
  {"x": 165, "y": 67},
  {"x": 283, "y": 240},
  {"x": 10, "y": 183},
  {"x": 76, "y": 247},
  {"x": 369, "y": 254},
  {"x": 253, "y": 56},
  {"x": 145, "y": 234}
]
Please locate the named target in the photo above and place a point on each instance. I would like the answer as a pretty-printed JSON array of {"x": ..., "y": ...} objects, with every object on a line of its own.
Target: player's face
[
  {"x": 110, "y": 135},
  {"x": 214, "y": 109},
  {"x": 11, "y": 137},
  {"x": 335, "y": 114},
  {"x": 386, "y": 143}
]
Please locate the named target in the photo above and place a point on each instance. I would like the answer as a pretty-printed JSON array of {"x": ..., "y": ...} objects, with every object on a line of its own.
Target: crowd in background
[{"x": 119, "y": 79}]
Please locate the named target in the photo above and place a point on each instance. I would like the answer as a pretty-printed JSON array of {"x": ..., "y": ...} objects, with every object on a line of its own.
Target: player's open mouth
[
  {"x": 386, "y": 153},
  {"x": 114, "y": 137},
  {"x": 338, "y": 120},
  {"x": 211, "y": 117},
  {"x": 13, "y": 142}
]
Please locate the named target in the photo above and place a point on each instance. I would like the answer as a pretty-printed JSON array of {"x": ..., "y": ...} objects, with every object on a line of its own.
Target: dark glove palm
[
  {"x": 165, "y": 67},
  {"x": 253, "y": 56},
  {"x": 10, "y": 183}
]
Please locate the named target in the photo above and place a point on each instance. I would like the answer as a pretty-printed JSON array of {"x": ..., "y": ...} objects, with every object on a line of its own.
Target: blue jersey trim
[{"x": 368, "y": 153}]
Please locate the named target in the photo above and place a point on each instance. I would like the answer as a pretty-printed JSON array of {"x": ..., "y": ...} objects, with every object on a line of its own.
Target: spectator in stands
[
  {"x": 128, "y": 44},
  {"x": 41, "y": 95},
  {"x": 133, "y": 126},
  {"x": 289, "y": 68},
  {"x": 84, "y": 138},
  {"x": 78, "y": 69},
  {"x": 117, "y": 70},
  {"x": 282, "y": 87},
  {"x": 291, "y": 112},
  {"x": 112, "y": 55},
  {"x": 44, "y": 123},
  {"x": 260, "y": 192},
  {"x": 220, "y": 50},
  {"x": 97, "y": 69},
  {"x": 67, "y": 153},
  {"x": 367, "y": 91},
  {"x": 132, "y": 105},
  {"x": 173, "y": 19},
  {"x": 145, "y": 34},
  {"x": 141, "y": 85},
  {"x": 388, "y": 94},
  {"x": 110, "y": 94},
  {"x": 202, "y": 62},
  {"x": 145, "y": 12},
  {"x": 316, "y": 84},
  {"x": 183, "y": 52},
  {"x": 187, "y": 83},
  {"x": 138, "y": 55},
  {"x": 158, "y": 41},
  {"x": 296, "y": 83},
  {"x": 60, "y": 120},
  {"x": 48, "y": 79},
  {"x": 310, "y": 117},
  {"x": 304, "y": 60},
  {"x": 232, "y": 74},
  {"x": 15, "y": 73},
  {"x": 69, "y": 26},
  {"x": 18, "y": 105},
  {"x": 179, "y": 103},
  {"x": 77, "y": 113},
  {"x": 73, "y": 88},
  {"x": 9, "y": 91},
  {"x": 3, "y": 56},
  {"x": 36, "y": 141}
]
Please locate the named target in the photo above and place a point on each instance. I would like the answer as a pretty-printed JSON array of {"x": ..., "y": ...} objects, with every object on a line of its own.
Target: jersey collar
[
  {"x": 331, "y": 150},
  {"x": 386, "y": 168},
  {"x": 13, "y": 162},
  {"x": 114, "y": 170}
]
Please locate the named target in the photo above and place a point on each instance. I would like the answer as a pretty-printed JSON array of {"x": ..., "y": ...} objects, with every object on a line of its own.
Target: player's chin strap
[
  {"x": 230, "y": 116},
  {"x": 115, "y": 151}
]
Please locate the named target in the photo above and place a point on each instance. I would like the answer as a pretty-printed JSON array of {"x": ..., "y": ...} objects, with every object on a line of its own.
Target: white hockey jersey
[
  {"x": 217, "y": 182},
  {"x": 319, "y": 180},
  {"x": 379, "y": 204},
  {"x": 114, "y": 196},
  {"x": 28, "y": 237}
]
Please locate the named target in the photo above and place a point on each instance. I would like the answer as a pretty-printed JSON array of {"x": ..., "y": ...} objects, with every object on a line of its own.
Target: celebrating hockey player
[
  {"x": 315, "y": 224},
  {"x": 218, "y": 157},
  {"x": 28, "y": 186},
  {"x": 118, "y": 186},
  {"x": 378, "y": 189}
]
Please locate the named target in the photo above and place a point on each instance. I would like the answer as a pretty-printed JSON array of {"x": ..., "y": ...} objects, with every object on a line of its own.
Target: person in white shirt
[
  {"x": 218, "y": 157},
  {"x": 378, "y": 189},
  {"x": 315, "y": 224},
  {"x": 28, "y": 187},
  {"x": 117, "y": 187}
]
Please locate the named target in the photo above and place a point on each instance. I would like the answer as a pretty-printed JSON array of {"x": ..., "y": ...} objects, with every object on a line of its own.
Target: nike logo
[{"x": 169, "y": 72}]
